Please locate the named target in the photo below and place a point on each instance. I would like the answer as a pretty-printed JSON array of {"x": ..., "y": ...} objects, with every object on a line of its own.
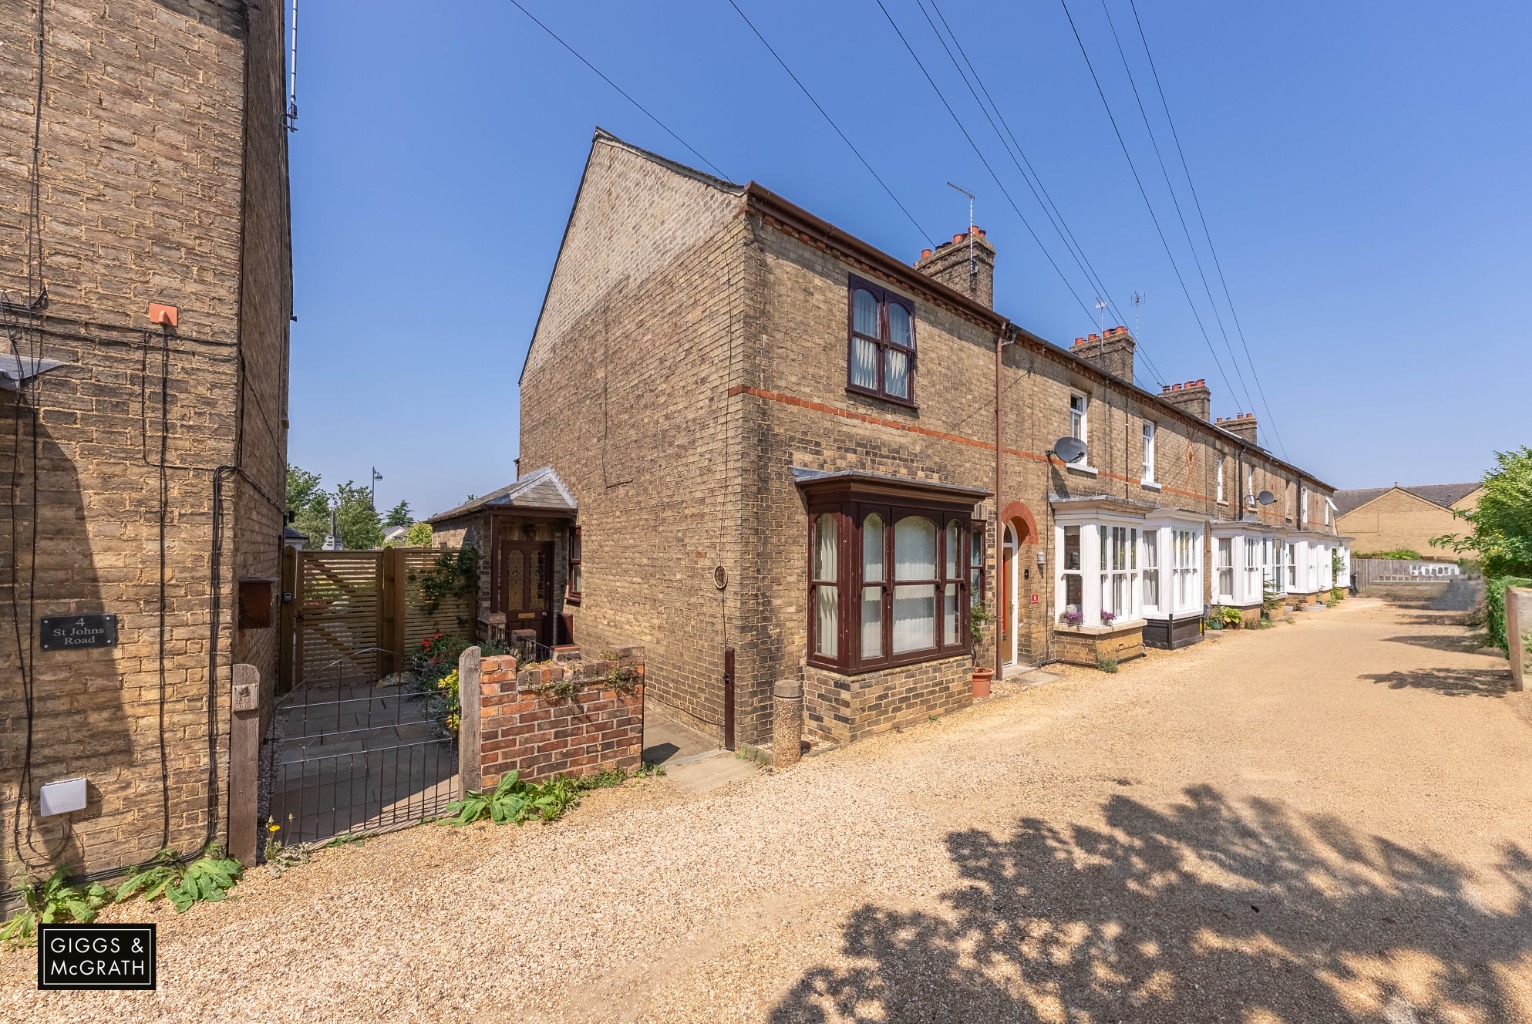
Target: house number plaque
[{"x": 66, "y": 632}]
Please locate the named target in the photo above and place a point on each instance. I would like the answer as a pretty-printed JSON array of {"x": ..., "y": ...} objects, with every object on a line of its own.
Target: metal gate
[
  {"x": 353, "y": 757},
  {"x": 355, "y": 747}
]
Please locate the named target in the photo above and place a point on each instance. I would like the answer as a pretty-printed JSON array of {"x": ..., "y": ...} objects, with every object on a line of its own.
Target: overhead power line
[
  {"x": 823, "y": 113},
  {"x": 980, "y": 154},
  {"x": 1205, "y": 232},
  {"x": 623, "y": 92},
  {"x": 1147, "y": 204},
  {"x": 1180, "y": 216},
  {"x": 1033, "y": 180}
]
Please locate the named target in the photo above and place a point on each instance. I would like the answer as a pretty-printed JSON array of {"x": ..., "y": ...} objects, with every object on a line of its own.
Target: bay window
[
  {"x": 1253, "y": 570},
  {"x": 890, "y": 577},
  {"x": 1151, "y": 571},
  {"x": 1100, "y": 564}
]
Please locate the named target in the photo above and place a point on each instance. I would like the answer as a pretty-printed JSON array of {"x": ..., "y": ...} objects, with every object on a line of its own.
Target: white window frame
[
  {"x": 1148, "y": 476},
  {"x": 1152, "y": 569},
  {"x": 1219, "y": 496},
  {"x": 1179, "y": 537},
  {"x": 1303, "y": 506},
  {"x": 1222, "y": 565},
  {"x": 1095, "y": 532},
  {"x": 1079, "y": 424}
]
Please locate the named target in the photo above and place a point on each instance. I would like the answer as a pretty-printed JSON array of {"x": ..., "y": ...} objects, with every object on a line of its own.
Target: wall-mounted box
[
  {"x": 255, "y": 601},
  {"x": 61, "y": 797}
]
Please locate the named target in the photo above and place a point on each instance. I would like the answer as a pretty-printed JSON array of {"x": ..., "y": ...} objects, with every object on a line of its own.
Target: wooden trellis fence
[{"x": 355, "y": 616}]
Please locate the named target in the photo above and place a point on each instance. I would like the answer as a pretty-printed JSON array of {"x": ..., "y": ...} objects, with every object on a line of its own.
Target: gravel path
[{"x": 1325, "y": 821}]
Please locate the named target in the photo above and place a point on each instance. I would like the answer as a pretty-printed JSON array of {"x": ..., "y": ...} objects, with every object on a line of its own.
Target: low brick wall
[
  {"x": 843, "y": 709},
  {"x": 1088, "y": 645},
  {"x": 552, "y": 718}
]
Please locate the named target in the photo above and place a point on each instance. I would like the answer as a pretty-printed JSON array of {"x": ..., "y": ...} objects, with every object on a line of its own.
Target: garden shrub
[{"x": 1494, "y": 609}]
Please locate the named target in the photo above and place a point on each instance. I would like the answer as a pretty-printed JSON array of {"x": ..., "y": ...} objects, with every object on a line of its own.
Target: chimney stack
[
  {"x": 1112, "y": 351},
  {"x": 1241, "y": 426},
  {"x": 1193, "y": 398},
  {"x": 949, "y": 263}
]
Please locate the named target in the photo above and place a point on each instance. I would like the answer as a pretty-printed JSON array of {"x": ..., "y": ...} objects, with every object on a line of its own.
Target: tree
[
  {"x": 1502, "y": 522},
  {"x": 360, "y": 527},
  {"x": 399, "y": 515},
  {"x": 419, "y": 536},
  {"x": 309, "y": 504}
]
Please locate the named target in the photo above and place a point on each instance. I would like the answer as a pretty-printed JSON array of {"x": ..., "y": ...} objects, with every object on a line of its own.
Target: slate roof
[
  {"x": 540, "y": 490},
  {"x": 1445, "y": 495}
]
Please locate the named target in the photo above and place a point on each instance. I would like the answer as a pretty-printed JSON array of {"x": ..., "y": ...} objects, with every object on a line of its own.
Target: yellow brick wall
[{"x": 1397, "y": 519}]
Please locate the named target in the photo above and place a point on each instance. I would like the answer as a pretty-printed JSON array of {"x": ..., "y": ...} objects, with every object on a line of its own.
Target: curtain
[
  {"x": 896, "y": 378},
  {"x": 864, "y": 363},
  {"x": 872, "y": 596},
  {"x": 826, "y": 603},
  {"x": 914, "y": 603}
]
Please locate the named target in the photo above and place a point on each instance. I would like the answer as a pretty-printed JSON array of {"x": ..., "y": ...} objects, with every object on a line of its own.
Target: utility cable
[
  {"x": 1039, "y": 191},
  {"x": 980, "y": 154},
  {"x": 1148, "y": 205},
  {"x": 805, "y": 89},
  {"x": 620, "y": 90},
  {"x": 1176, "y": 202},
  {"x": 1197, "y": 201}
]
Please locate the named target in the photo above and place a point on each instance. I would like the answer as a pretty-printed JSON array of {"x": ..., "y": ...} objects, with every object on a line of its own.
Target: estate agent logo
[{"x": 95, "y": 956}]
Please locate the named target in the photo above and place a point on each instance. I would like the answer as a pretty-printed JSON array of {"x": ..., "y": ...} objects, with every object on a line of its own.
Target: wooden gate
[{"x": 355, "y": 616}]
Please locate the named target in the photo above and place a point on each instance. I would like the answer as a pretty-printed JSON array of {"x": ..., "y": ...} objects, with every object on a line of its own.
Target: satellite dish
[
  {"x": 1266, "y": 497},
  {"x": 1070, "y": 449}
]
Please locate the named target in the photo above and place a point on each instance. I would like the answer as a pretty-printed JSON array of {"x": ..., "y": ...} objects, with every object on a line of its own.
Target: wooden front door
[{"x": 526, "y": 587}]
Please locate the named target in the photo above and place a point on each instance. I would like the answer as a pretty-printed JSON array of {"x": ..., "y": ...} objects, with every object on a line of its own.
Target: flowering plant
[
  {"x": 1107, "y": 618},
  {"x": 1071, "y": 618}
]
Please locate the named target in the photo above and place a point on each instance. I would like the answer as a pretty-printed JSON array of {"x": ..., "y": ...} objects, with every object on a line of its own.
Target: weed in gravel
[
  {"x": 753, "y": 754},
  {"x": 1105, "y": 664},
  {"x": 53, "y": 902},
  {"x": 515, "y": 801},
  {"x": 207, "y": 879},
  {"x": 278, "y": 855}
]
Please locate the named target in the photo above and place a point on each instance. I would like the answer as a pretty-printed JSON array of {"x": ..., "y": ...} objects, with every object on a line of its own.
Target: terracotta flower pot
[{"x": 982, "y": 677}]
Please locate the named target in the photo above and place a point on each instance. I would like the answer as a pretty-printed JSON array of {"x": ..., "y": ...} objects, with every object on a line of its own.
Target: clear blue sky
[{"x": 1363, "y": 169}]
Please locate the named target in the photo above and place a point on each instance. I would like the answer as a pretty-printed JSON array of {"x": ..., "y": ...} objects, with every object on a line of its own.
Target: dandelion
[{"x": 273, "y": 828}]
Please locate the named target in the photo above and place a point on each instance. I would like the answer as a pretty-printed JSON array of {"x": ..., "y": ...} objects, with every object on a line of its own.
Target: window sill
[
  {"x": 573, "y": 599},
  {"x": 1115, "y": 627},
  {"x": 902, "y": 403},
  {"x": 893, "y": 664},
  {"x": 1150, "y": 485},
  {"x": 1086, "y": 470}
]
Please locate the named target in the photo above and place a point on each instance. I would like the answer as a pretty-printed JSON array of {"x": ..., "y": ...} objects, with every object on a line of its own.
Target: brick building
[
  {"x": 782, "y": 444},
  {"x": 1405, "y": 518},
  {"x": 143, "y": 161}
]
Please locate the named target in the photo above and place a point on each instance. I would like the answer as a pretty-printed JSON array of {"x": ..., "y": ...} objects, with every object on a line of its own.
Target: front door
[
  {"x": 526, "y": 586},
  {"x": 1010, "y": 605}
]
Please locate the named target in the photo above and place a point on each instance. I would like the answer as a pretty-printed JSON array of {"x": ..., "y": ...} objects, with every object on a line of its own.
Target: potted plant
[
  {"x": 1072, "y": 618},
  {"x": 1107, "y": 618},
  {"x": 982, "y": 676}
]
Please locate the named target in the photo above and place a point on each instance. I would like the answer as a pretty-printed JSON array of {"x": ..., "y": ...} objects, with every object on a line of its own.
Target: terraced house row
[{"x": 780, "y": 453}]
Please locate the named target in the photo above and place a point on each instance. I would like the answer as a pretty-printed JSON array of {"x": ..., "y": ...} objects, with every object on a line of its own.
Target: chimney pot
[
  {"x": 979, "y": 231},
  {"x": 959, "y": 237},
  {"x": 1079, "y": 341},
  {"x": 925, "y": 254},
  {"x": 1095, "y": 337}
]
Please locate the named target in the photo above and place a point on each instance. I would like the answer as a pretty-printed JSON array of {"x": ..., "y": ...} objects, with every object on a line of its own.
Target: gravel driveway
[{"x": 1328, "y": 821}]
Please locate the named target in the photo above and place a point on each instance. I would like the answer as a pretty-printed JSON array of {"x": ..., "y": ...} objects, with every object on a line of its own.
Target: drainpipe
[{"x": 999, "y": 503}]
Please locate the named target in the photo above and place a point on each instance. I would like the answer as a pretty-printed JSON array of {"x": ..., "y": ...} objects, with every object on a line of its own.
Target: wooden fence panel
[{"x": 356, "y": 616}]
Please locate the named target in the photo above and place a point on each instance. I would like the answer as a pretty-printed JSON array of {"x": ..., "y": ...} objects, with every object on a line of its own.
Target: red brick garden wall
[{"x": 551, "y": 718}]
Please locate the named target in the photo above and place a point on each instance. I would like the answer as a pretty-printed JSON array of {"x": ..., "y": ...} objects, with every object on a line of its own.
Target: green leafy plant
[
  {"x": 1106, "y": 664},
  {"x": 452, "y": 575},
  {"x": 1232, "y": 619},
  {"x": 515, "y": 801},
  {"x": 1397, "y": 554},
  {"x": 1272, "y": 599},
  {"x": 1501, "y": 522},
  {"x": 978, "y": 615},
  {"x": 207, "y": 879},
  {"x": 53, "y": 902},
  {"x": 1494, "y": 609},
  {"x": 1214, "y": 618}
]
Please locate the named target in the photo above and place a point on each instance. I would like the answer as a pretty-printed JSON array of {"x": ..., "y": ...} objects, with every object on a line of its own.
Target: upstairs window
[
  {"x": 881, "y": 353},
  {"x": 1148, "y": 477},
  {"x": 1220, "y": 480},
  {"x": 1079, "y": 407}
]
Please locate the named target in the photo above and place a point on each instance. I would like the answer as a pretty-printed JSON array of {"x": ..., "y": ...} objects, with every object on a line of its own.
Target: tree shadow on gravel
[
  {"x": 1450, "y": 682},
  {"x": 1455, "y": 643},
  {"x": 1206, "y": 911}
]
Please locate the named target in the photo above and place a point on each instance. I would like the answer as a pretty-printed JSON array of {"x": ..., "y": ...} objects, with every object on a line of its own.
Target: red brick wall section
[{"x": 528, "y": 727}]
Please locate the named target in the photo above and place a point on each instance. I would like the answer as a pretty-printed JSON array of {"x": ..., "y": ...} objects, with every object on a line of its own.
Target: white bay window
[{"x": 1099, "y": 562}]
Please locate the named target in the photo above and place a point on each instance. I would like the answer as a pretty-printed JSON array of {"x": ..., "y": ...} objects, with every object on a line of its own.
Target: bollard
[{"x": 786, "y": 723}]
